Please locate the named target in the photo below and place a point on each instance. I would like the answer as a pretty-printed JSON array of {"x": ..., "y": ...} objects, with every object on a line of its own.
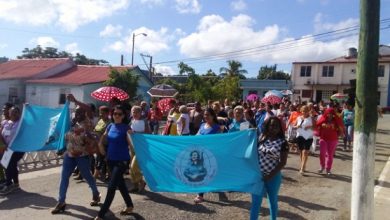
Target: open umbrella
[
  {"x": 275, "y": 93},
  {"x": 252, "y": 97},
  {"x": 164, "y": 106},
  {"x": 163, "y": 90},
  {"x": 273, "y": 99},
  {"x": 340, "y": 97},
  {"x": 106, "y": 93},
  {"x": 286, "y": 92}
]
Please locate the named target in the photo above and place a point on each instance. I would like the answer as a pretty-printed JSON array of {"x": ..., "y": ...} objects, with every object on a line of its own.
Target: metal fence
[{"x": 39, "y": 160}]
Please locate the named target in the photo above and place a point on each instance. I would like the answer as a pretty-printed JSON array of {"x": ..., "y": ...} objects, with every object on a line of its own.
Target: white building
[{"x": 319, "y": 80}]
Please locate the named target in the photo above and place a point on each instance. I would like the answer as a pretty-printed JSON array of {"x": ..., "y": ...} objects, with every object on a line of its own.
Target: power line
[{"x": 261, "y": 47}]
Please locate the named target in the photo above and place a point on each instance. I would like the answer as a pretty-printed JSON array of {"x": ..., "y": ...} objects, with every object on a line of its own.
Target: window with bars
[
  {"x": 327, "y": 71},
  {"x": 63, "y": 93},
  {"x": 305, "y": 71},
  {"x": 381, "y": 71}
]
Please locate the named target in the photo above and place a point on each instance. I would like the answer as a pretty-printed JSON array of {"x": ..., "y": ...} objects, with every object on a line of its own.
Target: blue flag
[
  {"x": 41, "y": 128},
  {"x": 202, "y": 163}
]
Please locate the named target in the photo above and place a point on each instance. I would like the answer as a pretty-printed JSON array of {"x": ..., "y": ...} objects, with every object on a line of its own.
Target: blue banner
[
  {"x": 202, "y": 163},
  {"x": 41, "y": 128}
]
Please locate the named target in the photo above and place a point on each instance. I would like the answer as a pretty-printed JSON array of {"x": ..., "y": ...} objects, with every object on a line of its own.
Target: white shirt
[
  {"x": 186, "y": 129},
  {"x": 308, "y": 133},
  {"x": 138, "y": 126}
]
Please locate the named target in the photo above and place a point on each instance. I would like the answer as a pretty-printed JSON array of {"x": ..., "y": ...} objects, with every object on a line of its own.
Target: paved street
[{"x": 312, "y": 196}]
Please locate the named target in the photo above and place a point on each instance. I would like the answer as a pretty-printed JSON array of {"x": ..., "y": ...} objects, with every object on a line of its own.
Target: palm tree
[{"x": 233, "y": 69}]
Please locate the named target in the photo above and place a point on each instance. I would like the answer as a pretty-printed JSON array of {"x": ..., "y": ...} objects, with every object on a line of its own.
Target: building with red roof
[
  {"x": 15, "y": 73},
  {"x": 47, "y": 81}
]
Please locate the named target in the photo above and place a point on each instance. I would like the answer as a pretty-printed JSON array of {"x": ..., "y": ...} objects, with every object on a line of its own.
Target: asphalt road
[{"x": 312, "y": 196}]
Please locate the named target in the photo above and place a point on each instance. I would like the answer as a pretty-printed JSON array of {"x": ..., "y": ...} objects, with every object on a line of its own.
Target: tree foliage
[
  {"x": 126, "y": 80},
  {"x": 185, "y": 69},
  {"x": 271, "y": 72},
  {"x": 3, "y": 59},
  {"x": 51, "y": 52},
  {"x": 233, "y": 69}
]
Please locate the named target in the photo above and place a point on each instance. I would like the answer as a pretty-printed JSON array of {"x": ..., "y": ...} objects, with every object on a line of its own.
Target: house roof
[
  {"x": 384, "y": 57},
  {"x": 28, "y": 68},
  {"x": 80, "y": 75}
]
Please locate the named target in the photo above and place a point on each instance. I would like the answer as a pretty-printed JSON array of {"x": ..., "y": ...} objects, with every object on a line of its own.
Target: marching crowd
[{"x": 98, "y": 145}]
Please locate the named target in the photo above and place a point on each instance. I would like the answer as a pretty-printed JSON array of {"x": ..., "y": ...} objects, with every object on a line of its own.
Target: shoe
[
  {"x": 127, "y": 211},
  {"x": 97, "y": 218},
  {"x": 328, "y": 173},
  {"x": 198, "y": 199},
  {"x": 321, "y": 170},
  {"x": 302, "y": 172},
  {"x": 6, "y": 189},
  {"x": 141, "y": 186},
  {"x": 59, "y": 208},
  {"x": 95, "y": 200},
  {"x": 97, "y": 174}
]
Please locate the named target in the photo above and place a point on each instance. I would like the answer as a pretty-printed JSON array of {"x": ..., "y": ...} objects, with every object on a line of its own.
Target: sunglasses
[{"x": 117, "y": 114}]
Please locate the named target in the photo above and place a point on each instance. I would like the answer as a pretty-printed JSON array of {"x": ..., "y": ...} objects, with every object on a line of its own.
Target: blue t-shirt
[
  {"x": 348, "y": 117},
  {"x": 118, "y": 148},
  {"x": 211, "y": 130}
]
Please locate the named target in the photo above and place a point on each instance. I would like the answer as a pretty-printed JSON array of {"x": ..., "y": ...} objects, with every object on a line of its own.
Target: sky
[{"x": 204, "y": 34}]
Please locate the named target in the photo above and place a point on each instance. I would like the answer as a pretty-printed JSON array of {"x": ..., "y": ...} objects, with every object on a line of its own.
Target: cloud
[
  {"x": 238, "y": 5},
  {"x": 111, "y": 31},
  {"x": 72, "y": 48},
  {"x": 164, "y": 70},
  {"x": 45, "y": 41},
  {"x": 216, "y": 36},
  {"x": 69, "y": 15},
  {"x": 320, "y": 26},
  {"x": 188, "y": 6},
  {"x": 156, "y": 41},
  {"x": 152, "y": 2}
]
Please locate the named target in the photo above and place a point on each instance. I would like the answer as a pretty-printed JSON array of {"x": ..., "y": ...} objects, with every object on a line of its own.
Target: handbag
[{"x": 293, "y": 135}]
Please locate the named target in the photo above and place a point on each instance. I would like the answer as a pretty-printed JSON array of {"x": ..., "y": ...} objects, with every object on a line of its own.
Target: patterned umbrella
[
  {"x": 286, "y": 92},
  {"x": 164, "y": 106},
  {"x": 274, "y": 93},
  {"x": 252, "y": 97},
  {"x": 273, "y": 99},
  {"x": 106, "y": 93},
  {"x": 163, "y": 90},
  {"x": 340, "y": 97}
]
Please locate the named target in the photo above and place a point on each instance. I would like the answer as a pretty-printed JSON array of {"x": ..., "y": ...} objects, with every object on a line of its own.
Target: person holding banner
[
  {"x": 77, "y": 155},
  {"x": 117, "y": 154},
  {"x": 273, "y": 152},
  {"x": 210, "y": 126},
  {"x": 4, "y": 119},
  {"x": 8, "y": 131}
]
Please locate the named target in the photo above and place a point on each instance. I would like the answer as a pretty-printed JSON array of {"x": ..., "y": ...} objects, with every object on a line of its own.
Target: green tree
[
  {"x": 233, "y": 69},
  {"x": 185, "y": 69},
  {"x": 51, "y": 52},
  {"x": 126, "y": 80},
  {"x": 271, "y": 72},
  {"x": 228, "y": 87},
  {"x": 210, "y": 72}
]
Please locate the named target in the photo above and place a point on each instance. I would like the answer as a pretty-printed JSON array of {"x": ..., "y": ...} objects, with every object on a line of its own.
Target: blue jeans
[
  {"x": 68, "y": 165},
  {"x": 271, "y": 187},
  {"x": 117, "y": 168},
  {"x": 154, "y": 126}
]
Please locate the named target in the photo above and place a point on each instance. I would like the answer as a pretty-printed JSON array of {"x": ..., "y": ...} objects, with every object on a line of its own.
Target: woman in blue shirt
[
  {"x": 118, "y": 154},
  {"x": 210, "y": 126}
]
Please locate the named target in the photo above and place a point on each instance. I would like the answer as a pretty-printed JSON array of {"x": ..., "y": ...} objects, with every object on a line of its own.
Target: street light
[{"x": 132, "y": 50}]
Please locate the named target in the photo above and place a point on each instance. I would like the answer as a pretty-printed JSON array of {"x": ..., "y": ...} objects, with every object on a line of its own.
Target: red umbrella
[
  {"x": 106, "y": 93},
  {"x": 163, "y": 104},
  {"x": 273, "y": 99}
]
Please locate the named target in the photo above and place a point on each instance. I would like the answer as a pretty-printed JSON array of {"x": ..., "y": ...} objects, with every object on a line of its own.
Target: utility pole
[{"x": 366, "y": 117}]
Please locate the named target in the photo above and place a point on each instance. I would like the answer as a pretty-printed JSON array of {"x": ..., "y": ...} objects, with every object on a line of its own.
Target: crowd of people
[{"x": 98, "y": 145}]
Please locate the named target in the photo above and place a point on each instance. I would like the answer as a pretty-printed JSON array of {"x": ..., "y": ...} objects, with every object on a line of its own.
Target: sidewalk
[{"x": 382, "y": 193}]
